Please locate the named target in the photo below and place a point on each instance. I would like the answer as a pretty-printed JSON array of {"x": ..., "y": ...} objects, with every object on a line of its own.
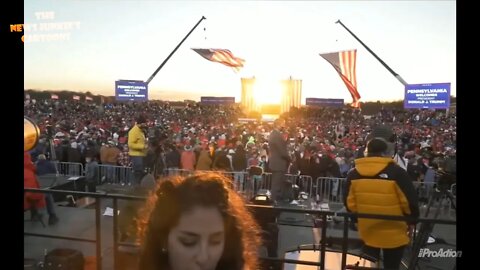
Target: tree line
[{"x": 367, "y": 107}]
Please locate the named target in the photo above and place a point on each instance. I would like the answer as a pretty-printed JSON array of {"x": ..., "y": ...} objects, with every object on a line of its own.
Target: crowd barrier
[
  {"x": 114, "y": 174},
  {"x": 179, "y": 172},
  {"x": 328, "y": 189},
  {"x": 69, "y": 168},
  {"x": 242, "y": 181}
]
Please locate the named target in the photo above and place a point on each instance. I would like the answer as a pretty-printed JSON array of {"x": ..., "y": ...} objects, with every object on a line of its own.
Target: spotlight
[{"x": 31, "y": 134}]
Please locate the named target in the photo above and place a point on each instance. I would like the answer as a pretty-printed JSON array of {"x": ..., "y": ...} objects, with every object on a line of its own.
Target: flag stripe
[
  {"x": 354, "y": 69},
  {"x": 291, "y": 95},
  {"x": 222, "y": 56},
  {"x": 248, "y": 98},
  {"x": 227, "y": 58},
  {"x": 344, "y": 63},
  {"x": 347, "y": 60}
]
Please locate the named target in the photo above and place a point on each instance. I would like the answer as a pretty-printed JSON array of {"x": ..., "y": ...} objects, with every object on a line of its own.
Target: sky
[{"x": 88, "y": 45}]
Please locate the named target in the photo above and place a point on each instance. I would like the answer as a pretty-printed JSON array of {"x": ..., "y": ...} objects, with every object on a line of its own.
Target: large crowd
[{"x": 321, "y": 141}]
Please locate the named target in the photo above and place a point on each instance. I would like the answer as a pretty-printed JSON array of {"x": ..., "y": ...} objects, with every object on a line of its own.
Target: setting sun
[{"x": 267, "y": 91}]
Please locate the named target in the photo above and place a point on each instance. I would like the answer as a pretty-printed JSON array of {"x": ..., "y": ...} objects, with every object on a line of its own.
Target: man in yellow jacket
[
  {"x": 137, "y": 149},
  {"x": 377, "y": 185}
]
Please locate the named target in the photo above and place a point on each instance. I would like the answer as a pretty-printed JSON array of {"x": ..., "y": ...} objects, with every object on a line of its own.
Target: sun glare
[{"x": 267, "y": 91}]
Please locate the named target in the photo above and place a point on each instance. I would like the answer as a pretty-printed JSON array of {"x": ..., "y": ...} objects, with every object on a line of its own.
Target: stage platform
[
  {"x": 61, "y": 182},
  {"x": 52, "y": 180},
  {"x": 80, "y": 222},
  {"x": 74, "y": 222}
]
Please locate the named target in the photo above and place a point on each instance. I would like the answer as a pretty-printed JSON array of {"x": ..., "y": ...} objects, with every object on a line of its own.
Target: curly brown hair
[{"x": 177, "y": 195}]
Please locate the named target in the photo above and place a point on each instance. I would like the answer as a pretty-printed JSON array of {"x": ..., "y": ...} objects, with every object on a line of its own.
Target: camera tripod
[{"x": 440, "y": 194}]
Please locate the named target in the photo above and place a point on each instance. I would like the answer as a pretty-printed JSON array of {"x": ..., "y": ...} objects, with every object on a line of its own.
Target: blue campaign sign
[
  {"x": 427, "y": 96},
  {"x": 325, "y": 102},
  {"x": 217, "y": 100},
  {"x": 130, "y": 90}
]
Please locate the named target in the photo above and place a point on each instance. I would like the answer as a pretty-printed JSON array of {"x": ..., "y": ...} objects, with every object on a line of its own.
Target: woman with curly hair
[{"x": 197, "y": 222}]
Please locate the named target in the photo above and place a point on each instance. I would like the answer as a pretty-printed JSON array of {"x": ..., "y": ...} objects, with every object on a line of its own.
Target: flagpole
[
  {"x": 174, "y": 50},
  {"x": 399, "y": 78}
]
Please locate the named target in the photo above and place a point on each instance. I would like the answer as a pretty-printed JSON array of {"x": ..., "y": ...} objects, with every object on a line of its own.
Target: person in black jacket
[
  {"x": 279, "y": 161},
  {"x": 172, "y": 158},
  {"x": 239, "y": 164}
]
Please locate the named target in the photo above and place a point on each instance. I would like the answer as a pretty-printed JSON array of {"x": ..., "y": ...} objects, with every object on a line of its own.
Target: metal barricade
[
  {"x": 228, "y": 175},
  {"x": 329, "y": 189},
  {"x": 425, "y": 190},
  {"x": 266, "y": 182},
  {"x": 114, "y": 174},
  {"x": 175, "y": 172},
  {"x": 304, "y": 182},
  {"x": 292, "y": 178},
  {"x": 69, "y": 168},
  {"x": 239, "y": 181}
]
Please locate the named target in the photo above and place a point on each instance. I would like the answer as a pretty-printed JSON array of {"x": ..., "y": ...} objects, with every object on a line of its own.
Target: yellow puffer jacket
[
  {"x": 136, "y": 142},
  {"x": 377, "y": 185}
]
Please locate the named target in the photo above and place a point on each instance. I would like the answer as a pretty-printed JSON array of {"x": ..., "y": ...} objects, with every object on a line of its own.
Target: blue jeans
[
  {"x": 238, "y": 181},
  {"x": 109, "y": 174},
  {"x": 138, "y": 169},
  {"x": 257, "y": 183},
  {"x": 50, "y": 204}
]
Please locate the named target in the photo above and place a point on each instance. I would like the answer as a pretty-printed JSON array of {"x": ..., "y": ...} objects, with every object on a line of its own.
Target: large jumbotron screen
[
  {"x": 130, "y": 90},
  {"x": 427, "y": 96}
]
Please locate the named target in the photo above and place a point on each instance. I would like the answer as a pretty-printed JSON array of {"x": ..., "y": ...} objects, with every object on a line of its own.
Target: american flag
[
  {"x": 344, "y": 63},
  {"x": 291, "y": 95},
  {"x": 222, "y": 56},
  {"x": 248, "y": 98}
]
